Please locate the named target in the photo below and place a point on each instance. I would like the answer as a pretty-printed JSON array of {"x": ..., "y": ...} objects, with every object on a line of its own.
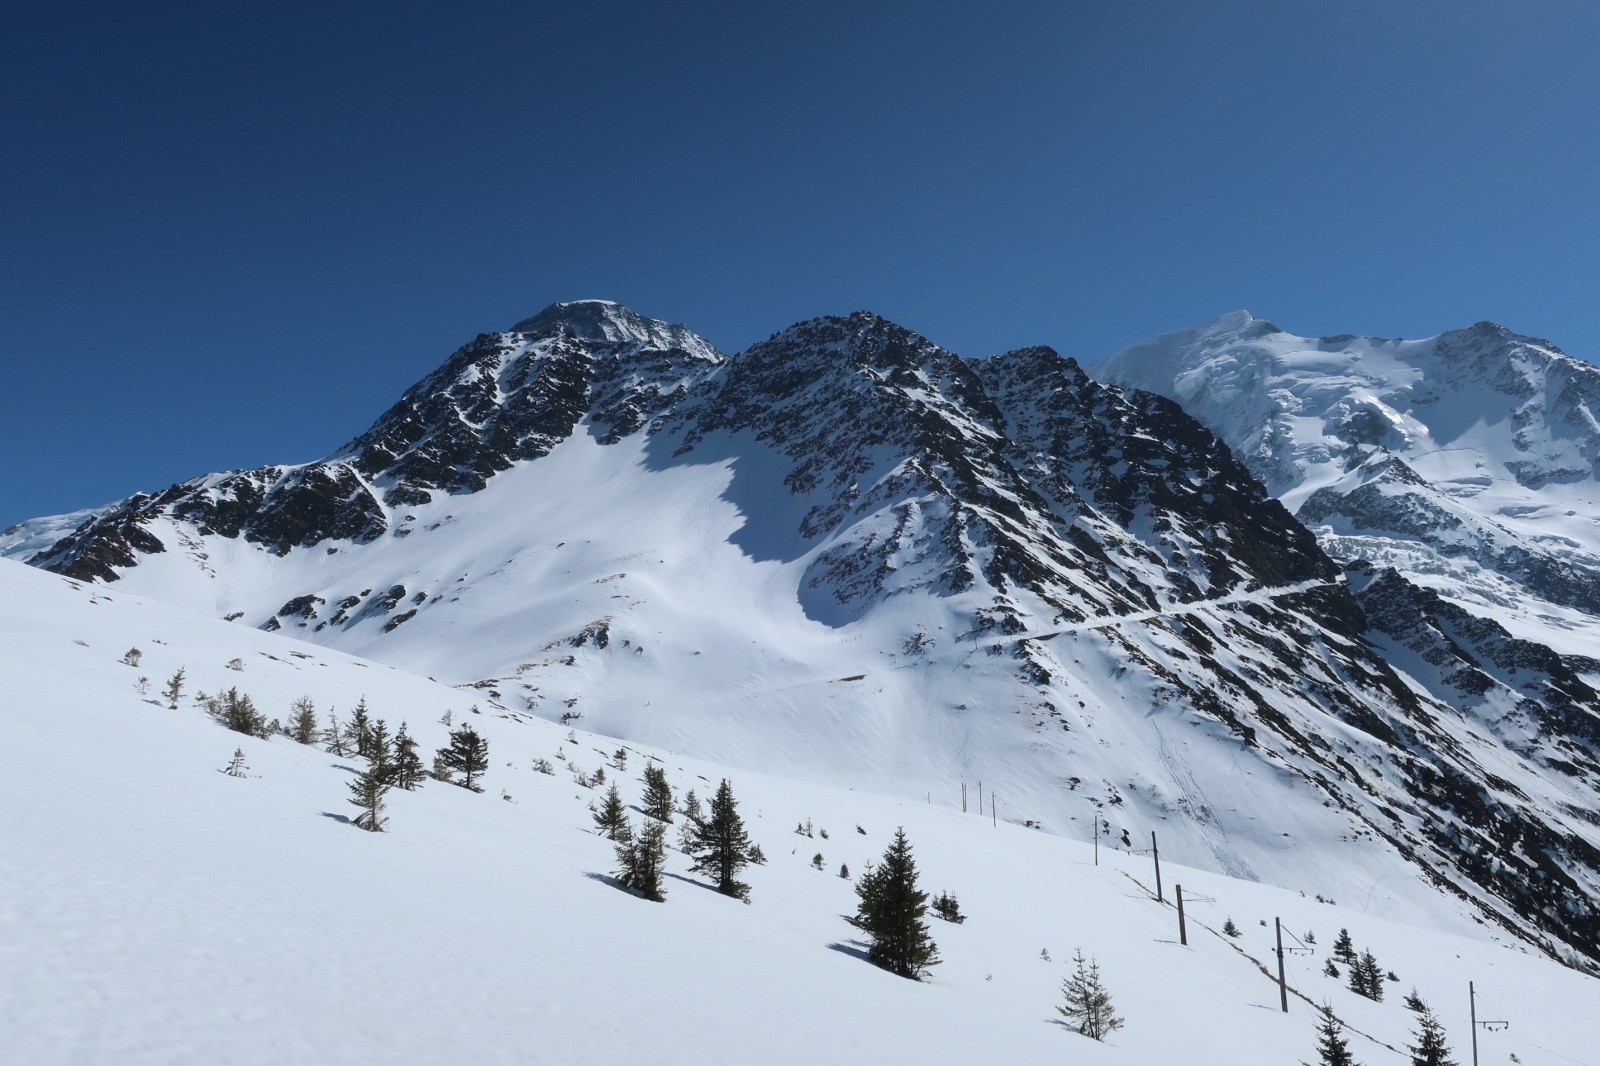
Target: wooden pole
[
  {"x": 1156, "y": 853},
  {"x": 1283, "y": 985},
  {"x": 1472, "y": 999},
  {"x": 980, "y": 798},
  {"x": 994, "y": 812},
  {"x": 963, "y": 797},
  {"x": 1097, "y": 838},
  {"x": 1183, "y": 927}
]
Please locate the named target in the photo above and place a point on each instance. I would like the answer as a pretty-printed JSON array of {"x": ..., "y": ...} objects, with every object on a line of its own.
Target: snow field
[{"x": 155, "y": 910}]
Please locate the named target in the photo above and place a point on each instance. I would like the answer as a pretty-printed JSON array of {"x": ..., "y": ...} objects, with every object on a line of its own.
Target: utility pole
[
  {"x": 1283, "y": 985},
  {"x": 1156, "y": 853},
  {"x": 1472, "y": 998},
  {"x": 994, "y": 812},
  {"x": 980, "y": 797},
  {"x": 963, "y": 797},
  {"x": 1097, "y": 838},
  {"x": 1183, "y": 928}
]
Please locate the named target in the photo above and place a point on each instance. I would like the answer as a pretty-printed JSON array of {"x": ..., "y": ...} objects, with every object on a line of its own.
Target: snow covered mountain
[
  {"x": 157, "y": 911},
  {"x": 848, "y": 555}
]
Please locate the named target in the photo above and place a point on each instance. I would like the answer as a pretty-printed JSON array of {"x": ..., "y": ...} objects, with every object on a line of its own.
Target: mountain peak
[{"x": 608, "y": 322}]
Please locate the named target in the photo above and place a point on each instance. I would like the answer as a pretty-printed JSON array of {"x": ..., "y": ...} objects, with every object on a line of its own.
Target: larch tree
[
  {"x": 303, "y": 721},
  {"x": 174, "y": 689}
]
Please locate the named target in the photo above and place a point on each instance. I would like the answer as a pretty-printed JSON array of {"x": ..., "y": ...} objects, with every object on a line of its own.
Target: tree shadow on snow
[
  {"x": 854, "y": 948},
  {"x": 336, "y": 817}
]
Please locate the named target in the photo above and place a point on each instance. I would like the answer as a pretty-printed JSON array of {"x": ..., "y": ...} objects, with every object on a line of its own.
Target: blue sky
[{"x": 234, "y": 233}]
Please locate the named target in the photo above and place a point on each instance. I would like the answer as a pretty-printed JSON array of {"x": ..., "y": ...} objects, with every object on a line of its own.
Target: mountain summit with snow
[{"x": 849, "y": 555}]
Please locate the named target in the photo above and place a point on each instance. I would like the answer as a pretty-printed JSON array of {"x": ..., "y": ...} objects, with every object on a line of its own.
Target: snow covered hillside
[
  {"x": 156, "y": 910},
  {"x": 851, "y": 557}
]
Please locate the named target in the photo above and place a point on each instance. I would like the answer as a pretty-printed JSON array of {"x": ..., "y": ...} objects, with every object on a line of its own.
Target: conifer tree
[
  {"x": 1366, "y": 977},
  {"x": 367, "y": 792},
  {"x": 1332, "y": 1049},
  {"x": 657, "y": 798},
  {"x": 334, "y": 735},
  {"x": 174, "y": 689},
  {"x": 948, "y": 907},
  {"x": 611, "y": 818},
  {"x": 719, "y": 844},
  {"x": 378, "y": 753},
  {"x": 1343, "y": 949},
  {"x": 467, "y": 755},
  {"x": 238, "y": 712},
  {"x": 1088, "y": 1004},
  {"x": 816, "y": 861},
  {"x": 360, "y": 729},
  {"x": 641, "y": 860},
  {"x": 405, "y": 765},
  {"x": 1413, "y": 1001},
  {"x": 303, "y": 721},
  {"x": 1430, "y": 1048},
  {"x": 891, "y": 911},
  {"x": 844, "y": 871},
  {"x": 236, "y": 766}
]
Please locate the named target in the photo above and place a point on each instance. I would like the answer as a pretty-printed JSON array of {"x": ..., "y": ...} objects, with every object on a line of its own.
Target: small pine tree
[
  {"x": 719, "y": 843},
  {"x": 611, "y": 818},
  {"x": 598, "y": 777},
  {"x": 1088, "y": 1004},
  {"x": 1332, "y": 1049},
  {"x": 444, "y": 719},
  {"x": 1231, "y": 929},
  {"x": 405, "y": 765},
  {"x": 1330, "y": 969},
  {"x": 236, "y": 766},
  {"x": 1366, "y": 979},
  {"x": 947, "y": 907},
  {"x": 891, "y": 911},
  {"x": 359, "y": 735},
  {"x": 334, "y": 735},
  {"x": 378, "y": 753},
  {"x": 303, "y": 721},
  {"x": 1310, "y": 938},
  {"x": 757, "y": 856},
  {"x": 1344, "y": 949},
  {"x": 1414, "y": 1002},
  {"x": 367, "y": 792},
  {"x": 467, "y": 754},
  {"x": 238, "y": 712},
  {"x": 543, "y": 766},
  {"x": 142, "y": 686},
  {"x": 642, "y": 859},
  {"x": 816, "y": 861},
  {"x": 132, "y": 656},
  {"x": 620, "y": 759},
  {"x": 844, "y": 871},
  {"x": 657, "y": 798},
  {"x": 1430, "y": 1048},
  {"x": 174, "y": 689}
]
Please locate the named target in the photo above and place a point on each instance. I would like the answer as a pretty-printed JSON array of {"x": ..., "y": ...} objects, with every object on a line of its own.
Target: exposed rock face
[{"x": 1089, "y": 546}]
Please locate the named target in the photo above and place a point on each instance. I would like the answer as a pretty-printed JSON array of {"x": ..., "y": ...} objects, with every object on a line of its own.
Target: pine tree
[
  {"x": 1366, "y": 978},
  {"x": 1430, "y": 1048},
  {"x": 657, "y": 798},
  {"x": 719, "y": 844},
  {"x": 1330, "y": 969},
  {"x": 1413, "y": 1001},
  {"x": 303, "y": 721},
  {"x": 948, "y": 907},
  {"x": 642, "y": 858},
  {"x": 367, "y": 792},
  {"x": 844, "y": 871},
  {"x": 891, "y": 913},
  {"x": 378, "y": 753},
  {"x": 1088, "y": 1004},
  {"x": 174, "y": 689},
  {"x": 467, "y": 755},
  {"x": 816, "y": 861},
  {"x": 359, "y": 735},
  {"x": 611, "y": 818},
  {"x": 238, "y": 712},
  {"x": 1343, "y": 949},
  {"x": 334, "y": 735},
  {"x": 405, "y": 765},
  {"x": 236, "y": 766},
  {"x": 1231, "y": 929},
  {"x": 1332, "y": 1049}
]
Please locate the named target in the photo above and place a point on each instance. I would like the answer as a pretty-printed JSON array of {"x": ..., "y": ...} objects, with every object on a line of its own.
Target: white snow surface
[{"x": 155, "y": 910}]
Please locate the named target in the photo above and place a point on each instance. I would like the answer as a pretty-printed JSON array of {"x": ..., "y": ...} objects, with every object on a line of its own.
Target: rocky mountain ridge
[{"x": 847, "y": 552}]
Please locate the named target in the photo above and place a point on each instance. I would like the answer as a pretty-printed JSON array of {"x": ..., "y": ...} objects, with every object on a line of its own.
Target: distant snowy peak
[{"x": 609, "y": 323}]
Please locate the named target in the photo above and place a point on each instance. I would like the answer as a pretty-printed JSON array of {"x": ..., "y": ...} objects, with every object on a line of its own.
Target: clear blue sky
[{"x": 234, "y": 233}]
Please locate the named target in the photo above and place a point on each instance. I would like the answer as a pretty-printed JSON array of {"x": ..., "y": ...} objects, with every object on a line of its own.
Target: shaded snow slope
[
  {"x": 850, "y": 556},
  {"x": 158, "y": 911}
]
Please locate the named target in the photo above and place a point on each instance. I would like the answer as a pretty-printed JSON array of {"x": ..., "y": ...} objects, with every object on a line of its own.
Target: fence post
[{"x": 1183, "y": 928}]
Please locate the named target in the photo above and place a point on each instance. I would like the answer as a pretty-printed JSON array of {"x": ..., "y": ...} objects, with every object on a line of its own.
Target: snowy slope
[
  {"x": 848, "y": 556},
  {"x": 156, "y": 910}
]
